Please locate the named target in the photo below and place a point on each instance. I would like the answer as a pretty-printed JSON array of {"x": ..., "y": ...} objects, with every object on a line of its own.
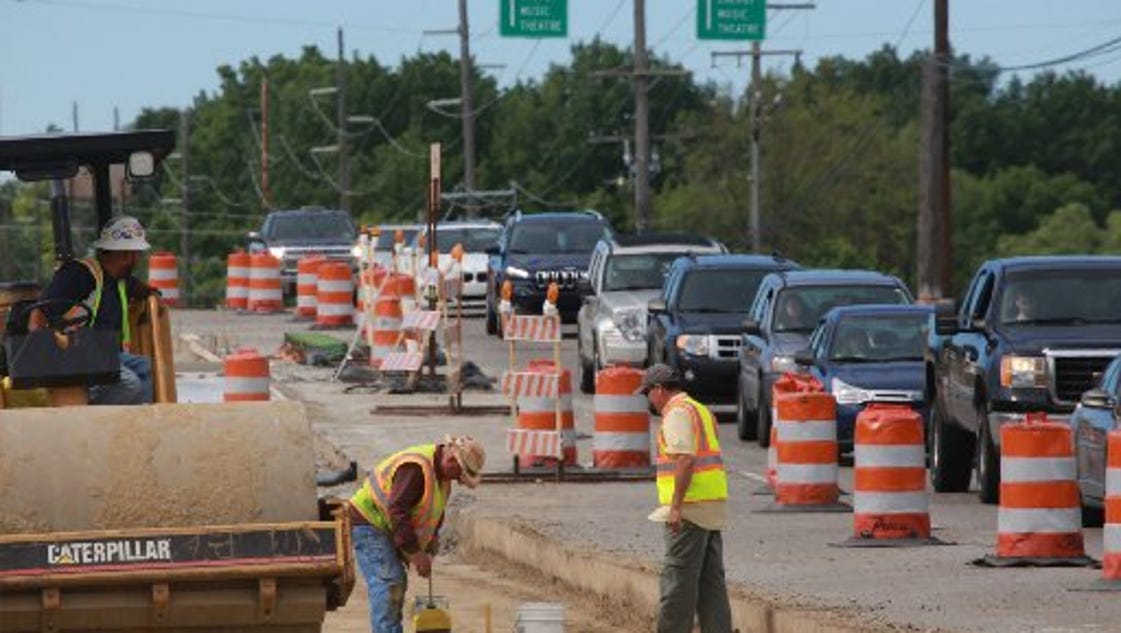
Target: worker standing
[
  {"x": 397, "y": 514},
  {"x": 104, "y": 284},
  {"x": 692, "y": 493}
]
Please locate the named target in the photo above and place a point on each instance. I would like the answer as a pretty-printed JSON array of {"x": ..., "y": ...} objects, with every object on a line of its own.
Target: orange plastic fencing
[
  {"x": 890, "y": 500},
  {"x": 622, "y": 420}
]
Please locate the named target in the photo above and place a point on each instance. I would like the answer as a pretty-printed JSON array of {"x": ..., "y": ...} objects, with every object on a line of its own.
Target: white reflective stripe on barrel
[
  {"x": 806, "y": 473},
  {"x": 265, "y": 293},
  {"x": 1054, "y": 521},
  {"x": 335, "y": 286},
  {"x": 639, "y": 442},
  {"x": 234, "y": 384},
  {"x": 162, "y": 274},
  {"x": 808, "y": 431},
  {"x": 880, "y": 456},
  {"x": 1111, "y": 536},
  {"x": 1113, "y": 481},
  {"x": 620, "y": 404},
  {"x": 890, "y": 502},
  {"x": 261, "y": 272},
  {"x": 237, "y": 292},
  {"x": 386, "y": 323},
  {"x": 306, "y": 301},
  {"x": 542, "y": 405},
  {"x": 237, "y": 272},
  {"x": 307, "y": 279},
  {"x": 169, "y": 293},
  {"x": 1028, "y": 469},
  {"x": 334, "y": 309}
]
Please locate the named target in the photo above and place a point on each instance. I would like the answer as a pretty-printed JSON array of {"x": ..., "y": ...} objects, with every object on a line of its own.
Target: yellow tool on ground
[{"x": 428, "y": 617}]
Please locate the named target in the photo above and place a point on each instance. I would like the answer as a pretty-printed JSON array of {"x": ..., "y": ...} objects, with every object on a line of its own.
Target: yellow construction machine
[{"x": 163, "y": 517}]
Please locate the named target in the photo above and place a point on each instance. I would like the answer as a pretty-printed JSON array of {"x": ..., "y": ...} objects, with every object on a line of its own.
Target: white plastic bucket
[{"x": 540, "y": 617}]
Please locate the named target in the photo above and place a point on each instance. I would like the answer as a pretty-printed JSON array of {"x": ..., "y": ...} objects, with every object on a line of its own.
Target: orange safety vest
[
  {"x": 372, "y": 499},
  {"x": 709, "y": 482}
]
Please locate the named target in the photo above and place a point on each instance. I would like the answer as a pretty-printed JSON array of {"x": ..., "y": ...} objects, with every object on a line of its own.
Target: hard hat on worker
[
  {"x": 123, "y": 233},
  {"x": 471, "y": 457}
]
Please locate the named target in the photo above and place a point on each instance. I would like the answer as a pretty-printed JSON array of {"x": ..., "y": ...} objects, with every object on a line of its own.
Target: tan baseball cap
[{"x": 471, "y": 456}]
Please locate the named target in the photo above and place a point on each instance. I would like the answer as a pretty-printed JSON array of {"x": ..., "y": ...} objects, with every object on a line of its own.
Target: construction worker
[
  {"x": 397, "y": 514},
  {"x": 104, "y": 284},
  {"x": 692, "y": 492}
]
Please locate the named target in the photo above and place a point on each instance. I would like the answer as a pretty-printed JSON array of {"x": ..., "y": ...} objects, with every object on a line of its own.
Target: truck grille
[
  {"x": 1074, "y": 372},
  {"x": 725, "y": 347},
  {"x": 565, "y": 279}
]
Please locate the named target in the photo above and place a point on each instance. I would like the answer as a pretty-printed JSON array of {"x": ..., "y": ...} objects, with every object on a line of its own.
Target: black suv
[
  {"x": 785, "y": 312},
  {"x": 695, "y": 325},
  {"x": 1032, "y": 334},
  {"x": 291, "y": 234},
  {"x": 537, "y": 249}
]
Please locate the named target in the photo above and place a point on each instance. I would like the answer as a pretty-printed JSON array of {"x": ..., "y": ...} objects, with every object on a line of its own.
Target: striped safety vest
[
  {"x": 709, "y": 482},
  {"x": 372, "y": 499},
  {"x": 94, "y": 299}
]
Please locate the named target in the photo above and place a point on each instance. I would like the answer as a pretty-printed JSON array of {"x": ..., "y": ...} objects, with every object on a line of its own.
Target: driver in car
[{"x": 104, "y": 284}]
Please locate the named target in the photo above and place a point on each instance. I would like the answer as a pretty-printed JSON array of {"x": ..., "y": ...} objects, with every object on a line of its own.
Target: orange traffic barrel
[
  {"x": 1111, "y": 531},
  {"x": 538, "y": 412},
  {"x": 404, "y": 286},
  {"x": 246, "y": 376},
  {"x": 1040, "y": 515},
  {"x": 335, "y": 296},
  {"x": 163, "y": 275},
  {"x": 386, "y": 327},
  {"x": 806, "y": 468},
  {"x": 265, "y": 294},
  {"x": 237, "y": 280},
  {"x": 622, "y": 420},
  {"x": 889, "y": 486},
  {"x": 307, "y": 282},
  {"x": 786, "y": 383}
]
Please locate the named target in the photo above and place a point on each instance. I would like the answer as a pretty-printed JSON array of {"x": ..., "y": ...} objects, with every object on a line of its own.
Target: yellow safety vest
[
  {"x": 709, "y": 483},
  {"x": 372, "y": 499},
  {"x": 94, "y": 299}
]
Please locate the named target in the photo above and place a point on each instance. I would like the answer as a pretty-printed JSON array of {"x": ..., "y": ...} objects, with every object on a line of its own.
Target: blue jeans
[
  {"x": 385, "y": 577},
  {"x": 134, "y": 387}
]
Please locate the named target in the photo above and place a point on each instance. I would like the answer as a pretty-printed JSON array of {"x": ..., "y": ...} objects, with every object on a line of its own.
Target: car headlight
[
  {"x": 1023, "y": 372},
  {"x": 517, "y": 273},
  {"x": 849, "y": 394},
  {"x": 692, "y": 344},
  {"x": 782, "y": 364},
  {"x": 356, "y": 251},
  {"x": 277, "y": 251},
  {"x": 630, "y": 323}
]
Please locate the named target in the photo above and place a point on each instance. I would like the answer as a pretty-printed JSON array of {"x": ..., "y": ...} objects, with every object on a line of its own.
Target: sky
[{"x": 131, "y": 54}]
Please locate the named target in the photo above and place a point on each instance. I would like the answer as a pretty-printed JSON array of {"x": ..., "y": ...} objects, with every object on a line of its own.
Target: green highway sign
[
  {"x": 731, "y": 19},
  {"x": 533, "y": 18}
]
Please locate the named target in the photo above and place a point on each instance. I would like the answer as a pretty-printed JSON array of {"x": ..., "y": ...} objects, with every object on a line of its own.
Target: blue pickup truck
[{"x": 1031, "y": 335}]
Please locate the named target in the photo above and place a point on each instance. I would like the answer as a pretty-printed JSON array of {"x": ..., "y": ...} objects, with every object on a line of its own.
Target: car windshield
[
  {"x": 880, "y": 337},
  {"x": 727, "y": 290},
  {"x": 475, "y": 240},
  {"x": 387, "y": 237},
  {"x": 1061, "y": 297},
  {"x": 644, "y": 271},
  {"x": 544, "y": 238},
  {"x": 312, "y": 226},
  {"x": 800, "y": 308}
]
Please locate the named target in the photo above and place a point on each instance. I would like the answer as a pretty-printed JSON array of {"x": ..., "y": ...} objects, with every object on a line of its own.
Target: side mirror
[
  {"x": 656, "y": 306},
  {"x": 751, "y": 327},
  {"x": 805, "y": 357},
  {"x": 1097, "y": 399},
  {"x": 945, "y": 318},
  {"x": 141, "y": 164},
  {"x": 254, "y": 236}
]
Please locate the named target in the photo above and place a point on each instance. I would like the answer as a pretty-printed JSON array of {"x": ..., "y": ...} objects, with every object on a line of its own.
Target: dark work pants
[{"x": 692, "y": 582}]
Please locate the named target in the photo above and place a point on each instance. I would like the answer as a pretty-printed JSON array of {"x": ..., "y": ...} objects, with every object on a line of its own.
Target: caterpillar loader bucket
[{"x": 170, "y": 517}]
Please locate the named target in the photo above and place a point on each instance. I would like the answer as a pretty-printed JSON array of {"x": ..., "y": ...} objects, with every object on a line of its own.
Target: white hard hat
[{"x": 124, "y": 233}]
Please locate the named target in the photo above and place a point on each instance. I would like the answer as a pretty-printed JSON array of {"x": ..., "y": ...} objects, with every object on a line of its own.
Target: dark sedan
[
  {"x": 1092, "y": 421},
  {"x": 869, "y": 353}
]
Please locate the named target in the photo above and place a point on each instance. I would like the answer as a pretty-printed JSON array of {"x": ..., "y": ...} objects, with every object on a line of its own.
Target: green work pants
[{"x": 692, "y": 582}]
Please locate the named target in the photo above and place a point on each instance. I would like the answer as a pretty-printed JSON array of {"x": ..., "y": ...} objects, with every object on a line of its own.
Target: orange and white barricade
[
  {"x": 1111, "y": 530},
  {"x": 622, "y": 420},
  {"x": 307, "y": 282},
  {"x": 237, "y": 280},
  {"x": 806, "y": 471},
  {"x": 417, "y": 325},
  {"x": 246, "y": 376},
  {"x": 163, "y": 275},
  {"x": 334, "y": 296},
  {"x": 1040, "y": 517},
  {"x": 265, "y": 294},
  {"x": 890, "y": 502}
]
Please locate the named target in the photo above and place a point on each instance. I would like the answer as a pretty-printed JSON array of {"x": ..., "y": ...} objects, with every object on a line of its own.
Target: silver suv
[{"x": 625, "y": 273}]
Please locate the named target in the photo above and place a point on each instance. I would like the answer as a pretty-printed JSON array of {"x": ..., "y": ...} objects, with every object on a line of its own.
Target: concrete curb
[{"x": 630, "y": 585}]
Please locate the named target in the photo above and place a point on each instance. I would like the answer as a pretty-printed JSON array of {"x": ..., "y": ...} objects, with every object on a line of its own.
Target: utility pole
[
  {"x": 185, "y": 195},
  {"x": 74, "y": 115},
  {"x": 265, "y": 144},
  {"x": 344, "y": 158},
  {"x": 642, "y": 206},
  {"x": 935, "y": 230},
  {"x": 466, "y": 78}
]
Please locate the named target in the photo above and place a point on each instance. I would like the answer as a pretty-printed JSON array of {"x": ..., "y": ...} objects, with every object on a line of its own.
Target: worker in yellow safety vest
[
  {"x": 397, "y": 514},
  {"x": 104, "y": 284},
  {"x": 692, "y": 492}
]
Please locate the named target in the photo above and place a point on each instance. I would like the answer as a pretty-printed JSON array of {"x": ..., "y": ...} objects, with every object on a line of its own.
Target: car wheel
[
  {"x": 745, "y": 423},
  {"x": 988, "y": 464},
  {"x": 763, "y": 422},
  {"x": 951, "y": 453}
]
